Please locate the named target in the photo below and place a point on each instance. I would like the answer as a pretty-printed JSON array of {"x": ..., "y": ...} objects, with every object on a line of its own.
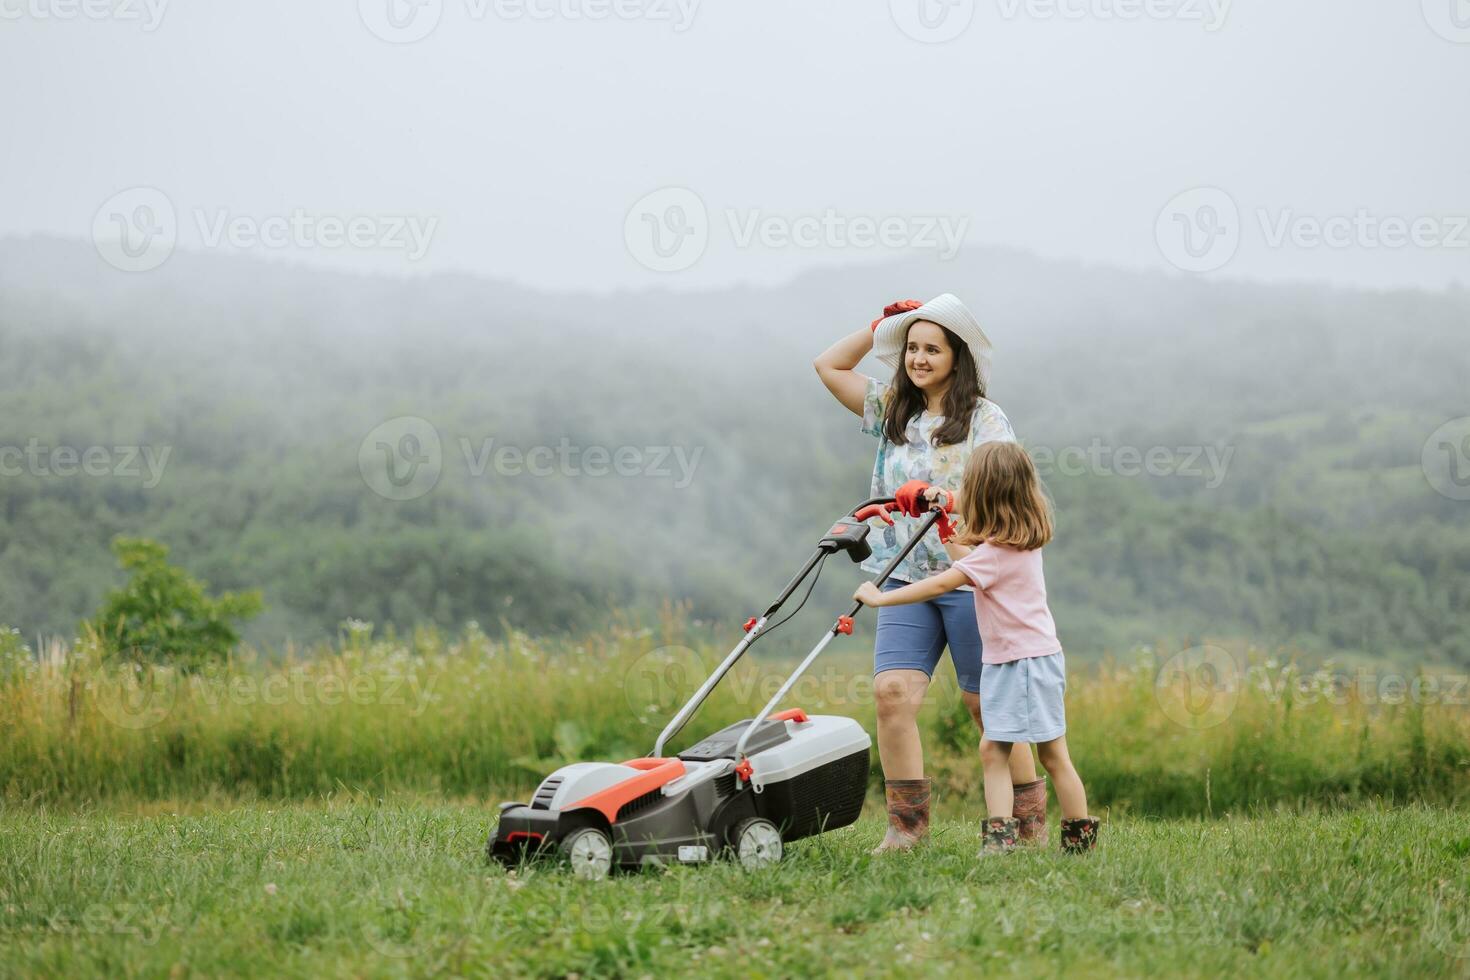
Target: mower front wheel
[
  {"x": 757, "y": 844},
  {"x": 589, "y": 852}
]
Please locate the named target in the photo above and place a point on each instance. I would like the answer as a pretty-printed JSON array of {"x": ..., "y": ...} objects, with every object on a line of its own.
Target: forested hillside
[{"x": 1294, "y": 508}]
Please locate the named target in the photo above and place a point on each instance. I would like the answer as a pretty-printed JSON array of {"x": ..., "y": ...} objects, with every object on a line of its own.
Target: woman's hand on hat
[{"x": 894, "y": 309}]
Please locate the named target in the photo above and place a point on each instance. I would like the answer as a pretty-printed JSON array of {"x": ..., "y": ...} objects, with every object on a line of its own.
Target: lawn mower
[{"x": 743, "y": 792}]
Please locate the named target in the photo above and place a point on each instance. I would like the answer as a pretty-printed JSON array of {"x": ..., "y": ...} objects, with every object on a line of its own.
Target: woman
[{"x": 927, "y": 421}]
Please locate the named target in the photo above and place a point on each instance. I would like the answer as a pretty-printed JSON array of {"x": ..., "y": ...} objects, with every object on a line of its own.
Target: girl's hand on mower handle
[
  {"x": 940, "y": 497},
  {"x": 869, "y": 595}
]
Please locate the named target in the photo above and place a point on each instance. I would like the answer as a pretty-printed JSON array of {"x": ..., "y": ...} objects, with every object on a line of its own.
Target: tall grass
[{"x": 468, "y": 717}]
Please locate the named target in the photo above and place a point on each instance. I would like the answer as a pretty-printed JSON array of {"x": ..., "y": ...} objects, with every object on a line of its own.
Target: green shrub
[{"x": 163, "y": 615}]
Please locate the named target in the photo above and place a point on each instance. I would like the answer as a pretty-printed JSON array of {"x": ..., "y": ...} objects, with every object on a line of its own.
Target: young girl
[{"x": 1006, "y": 521}]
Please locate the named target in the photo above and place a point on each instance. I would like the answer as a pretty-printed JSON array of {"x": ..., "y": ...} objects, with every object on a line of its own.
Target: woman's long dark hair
[{"x": 905, "y": 400}]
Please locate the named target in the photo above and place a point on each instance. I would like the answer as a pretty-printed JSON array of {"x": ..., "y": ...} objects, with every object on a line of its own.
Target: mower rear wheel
[
  {"x": 589, "y": 852},
  {"x": 757, "y": 844}
]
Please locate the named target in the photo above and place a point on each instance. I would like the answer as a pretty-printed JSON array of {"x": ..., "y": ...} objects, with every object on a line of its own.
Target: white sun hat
[{"x": 890, "y": 334}]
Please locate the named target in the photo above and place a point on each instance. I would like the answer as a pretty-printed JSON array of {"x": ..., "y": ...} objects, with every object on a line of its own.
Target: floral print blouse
[{"x": 920, "y": 459}]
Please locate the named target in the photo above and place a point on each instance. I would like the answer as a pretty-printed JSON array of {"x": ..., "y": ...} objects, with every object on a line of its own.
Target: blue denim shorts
[
  {"x": 913, "y": 637},
  {"x": 1024, "y": 700}
]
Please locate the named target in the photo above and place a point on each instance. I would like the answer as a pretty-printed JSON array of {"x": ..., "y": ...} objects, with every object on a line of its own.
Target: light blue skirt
[{"x": 1024, "y": 700}]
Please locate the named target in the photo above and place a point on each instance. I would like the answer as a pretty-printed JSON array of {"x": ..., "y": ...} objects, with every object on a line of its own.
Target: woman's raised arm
[{"x": 837, "y": 367}]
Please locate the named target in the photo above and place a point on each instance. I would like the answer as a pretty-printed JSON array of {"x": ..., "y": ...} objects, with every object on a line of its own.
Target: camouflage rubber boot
[
  {"x": 1080, "y": 835},
  {"x": 1030, "y": 810},
  {"x": 908, "y": 814},
  {"x": 1001, "y": 835}
]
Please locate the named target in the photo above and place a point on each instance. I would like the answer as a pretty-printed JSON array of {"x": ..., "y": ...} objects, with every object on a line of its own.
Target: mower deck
[{"x": 805, "y": 775}]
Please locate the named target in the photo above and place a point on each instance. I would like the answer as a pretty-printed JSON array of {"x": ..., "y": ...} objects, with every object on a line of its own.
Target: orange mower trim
[{"x": 656, "y": 772}]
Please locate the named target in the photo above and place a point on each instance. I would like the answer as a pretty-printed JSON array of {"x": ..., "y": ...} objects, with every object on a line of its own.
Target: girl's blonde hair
[{"x": 1004, "y": 503}]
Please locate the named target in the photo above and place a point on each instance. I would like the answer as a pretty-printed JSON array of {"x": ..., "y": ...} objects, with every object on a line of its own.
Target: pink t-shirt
[{"x": 1010, "y": 603}]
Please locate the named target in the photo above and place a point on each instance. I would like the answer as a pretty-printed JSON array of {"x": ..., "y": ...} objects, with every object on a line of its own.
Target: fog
[{"x": 522, "y": 138}]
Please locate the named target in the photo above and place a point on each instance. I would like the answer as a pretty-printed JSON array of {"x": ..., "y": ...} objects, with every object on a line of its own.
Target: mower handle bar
[
  {"x": 752, "y": 632},
  {"x": 754, "y": 629},
  {"x": 831, "y": 634}
]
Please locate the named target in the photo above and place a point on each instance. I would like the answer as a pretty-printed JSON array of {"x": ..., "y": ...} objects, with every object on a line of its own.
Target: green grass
[
  {"x": 356, "y": 888},
  {"x": 232, "y": 823},
  {"x": 468, "y": 718}
]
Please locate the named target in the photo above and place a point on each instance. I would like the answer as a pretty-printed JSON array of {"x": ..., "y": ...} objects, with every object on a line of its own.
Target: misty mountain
[{"x": 1302, "y": 410}]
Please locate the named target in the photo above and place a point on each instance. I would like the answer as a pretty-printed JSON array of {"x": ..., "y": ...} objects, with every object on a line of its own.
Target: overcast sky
[{"x": 613, "y": 143}]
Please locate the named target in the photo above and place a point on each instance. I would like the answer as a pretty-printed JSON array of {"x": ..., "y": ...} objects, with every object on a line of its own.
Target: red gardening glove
[
  {"x": 910, "y": 498},
  {"x": 894, "y": 309},
  {"x": 945, "y": 527}
]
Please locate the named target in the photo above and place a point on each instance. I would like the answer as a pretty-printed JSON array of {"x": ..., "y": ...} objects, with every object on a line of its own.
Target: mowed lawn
[{"x": 403, "y": 889}]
